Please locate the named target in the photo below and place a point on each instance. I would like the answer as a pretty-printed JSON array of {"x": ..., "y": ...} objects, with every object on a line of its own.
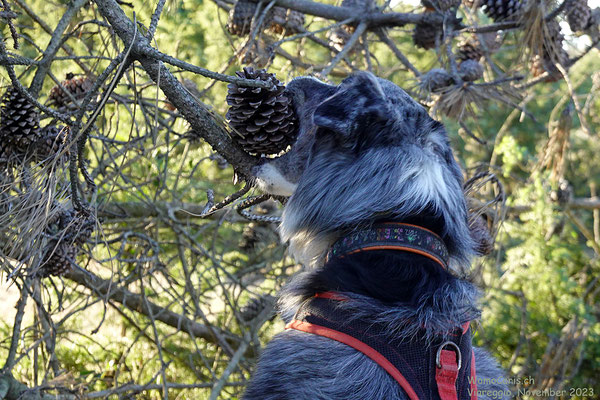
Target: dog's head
[{"x": 366, "y": 151}]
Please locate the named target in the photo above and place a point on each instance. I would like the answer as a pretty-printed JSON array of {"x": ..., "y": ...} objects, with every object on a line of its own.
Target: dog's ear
[{"x": 358, "y": 102}]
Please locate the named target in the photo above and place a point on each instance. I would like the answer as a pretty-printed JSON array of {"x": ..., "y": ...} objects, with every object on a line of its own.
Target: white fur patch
[
  {"x": 432, "y": 181},
  {"x": 270, "y": 180}
]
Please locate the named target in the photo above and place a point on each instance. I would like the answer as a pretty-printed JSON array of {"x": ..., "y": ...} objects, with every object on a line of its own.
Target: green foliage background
[{"x": 534, "y": 283}]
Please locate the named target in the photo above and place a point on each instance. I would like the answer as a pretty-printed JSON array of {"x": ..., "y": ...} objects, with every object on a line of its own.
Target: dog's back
[{"x": 366, "y": 153}]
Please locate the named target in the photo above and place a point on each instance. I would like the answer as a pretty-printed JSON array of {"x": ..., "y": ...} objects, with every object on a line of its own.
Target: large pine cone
[
  {"x": 19, "y": 123},
  {"x": 263, "y": 119},
  {"x": 76, "y": 87},
  {"x": 500, "y": 10},
  {"x": 579, "y": 15}
]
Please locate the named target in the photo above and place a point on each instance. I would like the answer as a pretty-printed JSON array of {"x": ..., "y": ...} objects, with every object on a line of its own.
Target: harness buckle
[{"x": 454, "y": 347}]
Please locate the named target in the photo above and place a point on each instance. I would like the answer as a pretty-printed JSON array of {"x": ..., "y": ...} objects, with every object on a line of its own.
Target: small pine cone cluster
[
  {"x": 19, "y": 121},
  {"x": 441, "y": 5},
  {"x": 500, "y": 10},
  {"x": 255, "y": 306},
  {"x": 426, "y": 35},
  {"x": 72, "y": 87},
  {"x": 470, "y": 70},
  {"x": 68, "y": 232},
  {"x": 579, "y": 15},
  {"x": 470, "y": 51},
  {"x": 279, "y": 20},
  {"x": 263, "y": 119}
]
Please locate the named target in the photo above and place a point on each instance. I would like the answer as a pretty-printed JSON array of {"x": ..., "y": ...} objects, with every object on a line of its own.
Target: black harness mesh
[{"x": 414, "y": 358}]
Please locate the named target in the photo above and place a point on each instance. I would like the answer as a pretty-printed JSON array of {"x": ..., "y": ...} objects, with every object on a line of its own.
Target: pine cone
[
  {"x": 58, "y": 259},
  {"x": 579, "y": 15},
  {"x": 475, "y": 46},
  {"x": 249, "y": 237},
  {"x": 68, "y": 231},
  {"x": 426, "y": 34},
  {"x": 19, "y": 124},
  {"x": 264, "y": 120},
  {"x": 500, "y": 10},
  {"x": 435, "y": 80},
  {"x": 240, "y": 17},
  {"x": 541, "y": 64},
  {"x": 553, "y": 53},
  {"x": 255, "y": 306},
  {"x": 77, "y": 87},
  {"x": 469, "y": 49},
  {"x": 441, "y": 5},
  {"x": 470, "y": 70},
  {"x": 51, "y": 141},
  {"x": 480, "y": 233},
  {"x": 339, "y": 36},
  {"x": 259, "y": 54},
  {"x": 284, "y": 20}
]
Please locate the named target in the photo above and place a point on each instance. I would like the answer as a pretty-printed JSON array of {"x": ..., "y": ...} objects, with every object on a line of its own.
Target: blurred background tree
[{"x": 121, "y": 277}]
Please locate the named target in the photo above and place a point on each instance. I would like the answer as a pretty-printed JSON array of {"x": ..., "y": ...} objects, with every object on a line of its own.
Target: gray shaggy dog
[{"x": 366, "y": 152}]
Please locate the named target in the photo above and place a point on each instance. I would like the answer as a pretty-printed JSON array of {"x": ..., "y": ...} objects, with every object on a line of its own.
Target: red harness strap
[
  {"x": 446, "y": 374},
  {"x": 360, "y": 346},
  {"x": 319, "y": 311}
]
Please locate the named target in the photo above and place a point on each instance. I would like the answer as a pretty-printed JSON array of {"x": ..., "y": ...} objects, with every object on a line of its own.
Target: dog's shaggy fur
[{"x": 366, "y": 152}]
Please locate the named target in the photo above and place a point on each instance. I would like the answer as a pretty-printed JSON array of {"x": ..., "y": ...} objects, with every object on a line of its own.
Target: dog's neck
[{"x": 391, "y": 285}]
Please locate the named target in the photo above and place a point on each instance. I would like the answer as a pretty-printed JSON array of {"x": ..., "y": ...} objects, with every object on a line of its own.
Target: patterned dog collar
[{"x": 393, "y": 236}]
